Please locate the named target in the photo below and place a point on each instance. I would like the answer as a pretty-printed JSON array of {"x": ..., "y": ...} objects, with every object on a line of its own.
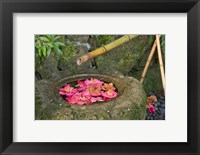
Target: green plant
[{"x": 45, "y": 44}]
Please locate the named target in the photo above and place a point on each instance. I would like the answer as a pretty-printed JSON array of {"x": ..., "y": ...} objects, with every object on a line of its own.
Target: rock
[
  {"x": 78, "y": 38},
  {"x": 48, "y": 67},
  {"x": 163, "y": 105},
  {"x": 151, "y": 93},
  {"x": 71, "y": 64},
  {"x": 162, "y": 97},
  {"x": 157, "y": 104},
  {"x": 129, "y": 105},
  {"x": 123, "y": 58}
]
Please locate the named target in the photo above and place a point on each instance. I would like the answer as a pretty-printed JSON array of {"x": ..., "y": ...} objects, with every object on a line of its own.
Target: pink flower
[
  {"x": 82, "y": 86},
  {"x": 78, "y": 98},
  {"x": 83, "y": 100},
  {"x": 94, "y": 90},
  {"x": 73, "y": 99},
  {"x": 105, "y": 98},
  {"x": 88, "y": 92},
  {"x": 85, "y": 93},
  {"x": 109, "y": 94},
  {"x": 152, "y": 99},
  {"x": 93, "y": 82},
  {"x": 67, "y": 90},
  {"x": 95, "y": 99},
  {"x": 151, "y": 108}
]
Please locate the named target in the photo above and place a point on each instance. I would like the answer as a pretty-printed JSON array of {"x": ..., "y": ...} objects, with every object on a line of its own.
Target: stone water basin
[{"x": 128, "y": 105}]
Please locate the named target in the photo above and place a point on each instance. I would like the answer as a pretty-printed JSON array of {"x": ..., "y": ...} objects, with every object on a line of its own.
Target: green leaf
[
  {"x": 44, "y": 51},
  {"x": 57, "y": 49},
  {"x": 56, "y": 38},
  {"x": 51, "y": 37},
  {"x": 39, "y": 52},
  {"x": 48, "y": 51},
  {"x": 50, "y": 45},
  {"x": 59, "y": 44},
  {"x": 44, "y": 39}
]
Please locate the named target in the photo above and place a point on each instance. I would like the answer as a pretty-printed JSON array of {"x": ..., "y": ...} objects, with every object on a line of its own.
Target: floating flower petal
[{"x": 109, "y": 94}]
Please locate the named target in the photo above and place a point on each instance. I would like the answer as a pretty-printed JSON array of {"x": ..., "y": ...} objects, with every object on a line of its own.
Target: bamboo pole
[
  {"x": 148, "y": 61},
  {"x": 160, "y": 61},
  {"x": 105, "y": 48}
]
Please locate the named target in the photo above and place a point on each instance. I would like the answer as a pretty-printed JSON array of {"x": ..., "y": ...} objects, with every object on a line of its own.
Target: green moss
[
  {"x": 104, "y": 39},
  {"x": 38, "y": 108},
  {"x": 138, "y": 112},
  {"x": 69, "y": 51}
]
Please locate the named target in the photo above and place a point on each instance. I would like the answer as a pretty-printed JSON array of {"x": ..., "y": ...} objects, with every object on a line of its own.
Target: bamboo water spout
[{"x": 105, "y": 49}]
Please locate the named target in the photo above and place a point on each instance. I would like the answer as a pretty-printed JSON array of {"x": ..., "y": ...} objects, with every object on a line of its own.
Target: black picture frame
[{"x": 8, "y": 7}]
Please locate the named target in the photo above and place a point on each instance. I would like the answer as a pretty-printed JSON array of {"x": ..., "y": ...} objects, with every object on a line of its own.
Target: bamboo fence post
[
  {"x": 104, "y": 49},
  {"x": 160, "y": 61},
  {"x": 148, "y": 61}
]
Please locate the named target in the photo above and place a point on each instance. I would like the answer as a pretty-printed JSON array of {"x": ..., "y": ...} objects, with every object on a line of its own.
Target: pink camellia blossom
[
  {"x": 88, "y": 91},
  {"x": 82, "y": 86},
  {"x": 105, "y": 98},
  {"x": 67, "y": 90},
  {"x": 109, "y": 94},
  {"x": 151, "y": 108},
  {"x": 85, "y": 93},
  {"x": 78, "y": 98},
  {"x": 93, "y": 82},
  {"x": 94, "y": 90},
  {"x": 73, "y": 99},
  {"x": 152, "y": 99},
  {"x": 95, "y": 99},
  {"x": 83, "y": 100},
  {"x": 91, "y": 98}
]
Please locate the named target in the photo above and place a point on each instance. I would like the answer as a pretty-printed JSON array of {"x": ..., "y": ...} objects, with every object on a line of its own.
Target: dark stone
[
  {"x": 151, "y": 94},
  {"x": 162, "y": 105},
  {"x": 162, "y": 111},
  {"x": 157, "y": 103},
  {"x": 162, "y": 97},
  {"x": 78, "y": 38},
  {"x": 48, "y": 67}
]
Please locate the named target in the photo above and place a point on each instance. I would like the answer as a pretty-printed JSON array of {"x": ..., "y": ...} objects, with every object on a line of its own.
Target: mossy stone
[{"x": 123, "y": 58}]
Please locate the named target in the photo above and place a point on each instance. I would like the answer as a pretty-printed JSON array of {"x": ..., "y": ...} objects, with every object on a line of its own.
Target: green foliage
[
  {"x": 45, "y": 44},
  {"x": 104, "y": 39}
]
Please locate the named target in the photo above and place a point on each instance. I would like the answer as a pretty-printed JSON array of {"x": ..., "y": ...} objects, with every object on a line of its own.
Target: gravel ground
[{"x": 159, "y": 109}]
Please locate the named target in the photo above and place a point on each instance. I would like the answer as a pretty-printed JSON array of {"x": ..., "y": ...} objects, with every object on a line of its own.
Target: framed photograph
[{"x": 106, "y": 77}]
